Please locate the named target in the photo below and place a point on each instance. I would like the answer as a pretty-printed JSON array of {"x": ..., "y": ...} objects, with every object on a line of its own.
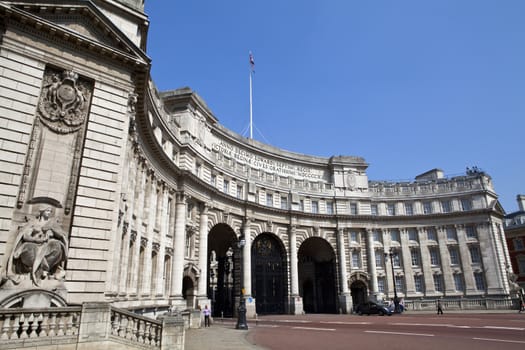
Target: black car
[{"x": 371, "y": 308}]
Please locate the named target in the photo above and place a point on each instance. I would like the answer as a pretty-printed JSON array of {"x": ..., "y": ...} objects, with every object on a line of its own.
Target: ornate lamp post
[
  {"x": 241, "y": 311},
  {"x": 392, "y": 254}
]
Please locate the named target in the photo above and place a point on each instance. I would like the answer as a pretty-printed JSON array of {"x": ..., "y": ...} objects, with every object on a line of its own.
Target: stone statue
[
  {"x": 514, "y": 287},
  {"x": 40, "y": 249}
]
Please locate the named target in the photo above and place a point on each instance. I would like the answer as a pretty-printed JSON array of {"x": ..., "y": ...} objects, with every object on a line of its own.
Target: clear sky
[{"x": 408, "y": 85}]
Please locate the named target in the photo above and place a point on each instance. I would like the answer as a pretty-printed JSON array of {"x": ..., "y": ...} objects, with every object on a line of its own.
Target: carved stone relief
[{"x": 39, "y": 251}]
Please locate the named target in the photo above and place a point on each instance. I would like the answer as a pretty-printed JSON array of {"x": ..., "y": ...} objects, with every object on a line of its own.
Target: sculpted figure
[{"x": 40, "y": 249}]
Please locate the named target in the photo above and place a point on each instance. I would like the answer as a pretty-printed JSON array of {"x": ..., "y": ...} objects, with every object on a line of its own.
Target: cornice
[{"x": 27, "y": 16}]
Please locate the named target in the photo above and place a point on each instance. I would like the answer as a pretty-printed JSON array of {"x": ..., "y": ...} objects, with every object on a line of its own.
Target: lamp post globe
[{"x": 241, "y": 310}]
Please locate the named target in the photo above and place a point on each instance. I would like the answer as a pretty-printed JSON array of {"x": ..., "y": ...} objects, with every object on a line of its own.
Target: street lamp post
[
  {"x": 241, "y": 311},
  {"x": 392, "y": 254}
]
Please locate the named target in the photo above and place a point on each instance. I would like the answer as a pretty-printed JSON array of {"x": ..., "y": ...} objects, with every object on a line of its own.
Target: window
[
  {"x": 240, "y": 191},
  {"x": 226, "y": 186},
  {"x": 353, "y": 209},
  {"x": 301, "y": 205},
  {"x": 198, "y": 169},
  {"x": 315, "y": 207},
  {"x": 269, "y": 199},
  {"x": 446, "y": 207},
  {"x": 418, "y": 283},
  {"x": 213, "y": 180},
  {"x": 438, "y": 283},
  {"x": 284, "y": 202},
  {"x": 434, "y": 256},
  {"x": 373, "y": 209},
  {"x": 412, "y": 234},
  {"x": 427, "y": 208},
  {"x": 466, "y": 204},
  {"x": 391, "y": 209},
  {"x": 454, "y": 256},
  {"x": 414, "y": 256},
  {"x": 400, "y": 283},
  {"x": 397, "y": 260},
  {"x": 471, "y": 232},
  {"x": 521, "y": 264},
  {"x": 475, "y": 256},
  {"x": 518, "y": 244},
  {"x": 409, "y": 210},
  {"x": 377, "y": 236},
  {"x": 451, "y": 234},
  {"x": 356, "y": 259},
  {"x": 381, "y": 284},
  {"x": 354, "y": 237},
  {"x": 330, "y": 208},
  {"x": 394, "y": 235},
  {"x": 379, "y": 259},
  {"x": 431, "y": 234},
  {"x": 480, "y": 281},
  {"x": 458, "y": 282}
]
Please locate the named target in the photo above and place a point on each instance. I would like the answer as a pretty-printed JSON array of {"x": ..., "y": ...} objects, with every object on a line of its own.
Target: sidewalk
[{"x": 220, "y": 336}]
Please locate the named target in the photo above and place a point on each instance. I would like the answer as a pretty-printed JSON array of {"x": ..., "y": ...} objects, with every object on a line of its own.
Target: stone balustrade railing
[
  {"x": 22, "y": 323},
  {"x": 137, "y": 328},
  {"x": 90, "y": 326},
  {"x": 464, "y": 304}
]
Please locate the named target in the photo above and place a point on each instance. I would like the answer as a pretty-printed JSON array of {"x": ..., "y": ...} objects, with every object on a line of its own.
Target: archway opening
[
  {"x": 268, "y": 274},
  {"x": 317, "y": 276},
  {"x": 188, "y": 291},
  {"x": 359, "y": 292},
  {"x": 223, "y": 271}
]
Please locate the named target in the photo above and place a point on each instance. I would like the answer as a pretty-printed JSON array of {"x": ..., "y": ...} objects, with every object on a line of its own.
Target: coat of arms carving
[{"x": 63, "y": 104}]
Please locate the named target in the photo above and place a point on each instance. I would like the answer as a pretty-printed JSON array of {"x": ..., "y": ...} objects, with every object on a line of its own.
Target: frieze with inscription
[{"x": 266, "y": 164}]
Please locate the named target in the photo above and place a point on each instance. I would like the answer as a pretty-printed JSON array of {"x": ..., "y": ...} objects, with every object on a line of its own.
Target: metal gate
[{"x": 268, "y": 275}]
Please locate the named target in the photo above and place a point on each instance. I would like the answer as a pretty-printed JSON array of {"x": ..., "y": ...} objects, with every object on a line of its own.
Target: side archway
[{"x": 222, "y": 265}]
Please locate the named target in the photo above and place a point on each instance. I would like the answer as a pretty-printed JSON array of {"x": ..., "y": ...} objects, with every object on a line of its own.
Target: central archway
[
  {"x": 317, "y": 276},
  {"x": 268, "y": 274}
]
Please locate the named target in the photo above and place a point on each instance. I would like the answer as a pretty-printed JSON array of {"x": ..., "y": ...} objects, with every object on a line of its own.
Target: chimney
[{"x": 521, "y": 201}]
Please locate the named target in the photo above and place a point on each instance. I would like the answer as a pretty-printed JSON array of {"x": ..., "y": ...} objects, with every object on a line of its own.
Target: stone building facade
[
  {"x": 115, "y": 191},
  {"x": 515, "y": 234}
]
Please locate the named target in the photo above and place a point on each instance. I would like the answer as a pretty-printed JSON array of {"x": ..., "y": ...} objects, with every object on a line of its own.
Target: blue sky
[{"x": 408, "y": 85}]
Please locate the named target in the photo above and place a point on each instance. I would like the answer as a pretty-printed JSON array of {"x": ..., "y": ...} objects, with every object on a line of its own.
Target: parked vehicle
[{"x": 371, "y": 308}]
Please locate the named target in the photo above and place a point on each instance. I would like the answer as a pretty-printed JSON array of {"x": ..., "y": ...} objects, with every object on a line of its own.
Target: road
[{"x": 406, "y": 331}]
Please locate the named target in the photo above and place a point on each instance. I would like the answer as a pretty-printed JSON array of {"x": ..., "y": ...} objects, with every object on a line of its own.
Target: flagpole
[{"x": 251, "y": 109}]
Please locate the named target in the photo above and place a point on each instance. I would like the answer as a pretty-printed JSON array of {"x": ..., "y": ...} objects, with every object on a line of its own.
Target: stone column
[
  {"x": 151, "y": 212},
  {"x": 407, "y": 263},
  {"x": 466, "y": 265},
  {"x": 425, "y": 263},
  {"x": 296, "y": 303},
  {"x": 203, "y": 256},
  {"x": 247, "y": 269},
  {"x": 164, "y": 217},
  {"x": 139, "y": 206},
  {"x": 444, "y": 255},
  {"x": 126, "y": 230},
  {"x": 178, "y": 250},
  {"x": 345, "y": 301},
  {"x": 372, "y": 268},
  {"x": 247, "y": 258}
]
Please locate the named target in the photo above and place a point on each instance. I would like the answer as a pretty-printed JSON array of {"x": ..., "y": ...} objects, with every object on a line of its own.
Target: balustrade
[{"x": 39, "y": 323}]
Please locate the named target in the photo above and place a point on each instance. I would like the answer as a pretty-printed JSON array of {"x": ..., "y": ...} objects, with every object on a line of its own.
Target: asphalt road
[{"x": 406, "y": 331}]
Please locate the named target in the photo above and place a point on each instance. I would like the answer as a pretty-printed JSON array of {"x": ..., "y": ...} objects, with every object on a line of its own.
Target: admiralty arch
[{"x": 114, "y": 191}]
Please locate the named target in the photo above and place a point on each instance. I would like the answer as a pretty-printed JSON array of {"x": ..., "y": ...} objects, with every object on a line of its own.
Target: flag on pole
[{"x": 252, "y": 62}]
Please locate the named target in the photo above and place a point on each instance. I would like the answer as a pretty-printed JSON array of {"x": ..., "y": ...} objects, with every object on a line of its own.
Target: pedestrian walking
[
  {"x": 439, "y": 308},
  {"x": 522, "y": 306},
  {"x": 206, "y": 312}
]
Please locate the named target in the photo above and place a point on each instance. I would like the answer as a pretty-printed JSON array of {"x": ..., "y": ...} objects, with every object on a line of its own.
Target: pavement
[{"x": 220, "y": 336}]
